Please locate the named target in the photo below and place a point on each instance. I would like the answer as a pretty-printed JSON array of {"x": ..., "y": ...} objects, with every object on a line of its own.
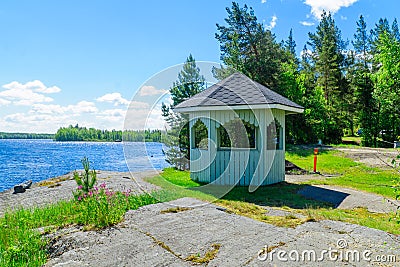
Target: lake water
[{"x": 37, "y": 160}]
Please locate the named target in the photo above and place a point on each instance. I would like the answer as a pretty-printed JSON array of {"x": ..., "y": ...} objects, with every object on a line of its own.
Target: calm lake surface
[{"x": 37, "y": 160}]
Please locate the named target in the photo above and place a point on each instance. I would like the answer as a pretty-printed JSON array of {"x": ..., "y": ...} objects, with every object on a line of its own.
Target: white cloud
[
  {"x": 36, "y": 86},
  {"x": 333, "y": 6},
  {"x": 138, "y": 105},
  {"x": 4, "y": 102},
  {"x": 343, "y": 17},
  {"x": 27, "y": 94},
  {"x": 115, "y": 98},
  {"x": 38, "y": 123},
  {"x": 114, "y": 112},
  {"x": 306, "y": 23},
  {"x": 82, "y": 107},
  {"x": 263, "y": 1},
  {"x": 47, "y": 109},
  {"x": 149, "y": 90},
  {"x": 308, "y": 52},
  {"x": 41, "y": 116},
  {"x": 71, "y": 110},
  {"x": 272, "y": 23},
  {"x": 112, "y": 115}
]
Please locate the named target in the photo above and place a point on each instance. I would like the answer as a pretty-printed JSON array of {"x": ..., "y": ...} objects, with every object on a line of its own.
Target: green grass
[
  {"x": 21, "y": 244},
  {"x": 349, "y": 173},
  {"x": 360, "y": 216},
  {"x": 281, "y": 196},
  {"x": 177, "y": 184},
  {"x": 179, "y": 178}
]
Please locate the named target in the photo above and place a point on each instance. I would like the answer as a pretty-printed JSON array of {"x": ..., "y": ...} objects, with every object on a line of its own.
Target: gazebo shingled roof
[
  {"x": 238, "y": 97},
  {"x": 236, "y": 90}
]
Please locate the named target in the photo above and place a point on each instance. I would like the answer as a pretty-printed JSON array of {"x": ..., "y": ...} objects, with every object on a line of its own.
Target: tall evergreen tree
[
  {"x": 328, "y": 58},
  {"x": 247, "y": 46},
  {"x": 361, "y": 81},
  {"x": 189, "y": 83},
  {"x": 395, "y": 30},
  {"x": 380, "y": 27},
  {"x": 315, "y": 112},
  {"x": 290, "y": 43}
]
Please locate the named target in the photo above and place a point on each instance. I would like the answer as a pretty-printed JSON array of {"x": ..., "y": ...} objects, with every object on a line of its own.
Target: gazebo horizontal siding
[{"x": 221, "y": 166}]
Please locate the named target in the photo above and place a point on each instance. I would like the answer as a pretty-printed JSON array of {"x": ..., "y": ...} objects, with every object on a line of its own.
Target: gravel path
[
  {"x": 373, "y": 157},
  {"x": 60, "y": 188},
  {"x": 346, "y": 198},
  {"x": 149, "y": 237},
  {"x": 343, "y": 197}
]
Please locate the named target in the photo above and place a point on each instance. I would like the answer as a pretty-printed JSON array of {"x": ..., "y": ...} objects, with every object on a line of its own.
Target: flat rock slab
[
  {"x": 150, "y": 236},
  {"x": 62, "y": 190},
  {"x": 346, "y": 198}
]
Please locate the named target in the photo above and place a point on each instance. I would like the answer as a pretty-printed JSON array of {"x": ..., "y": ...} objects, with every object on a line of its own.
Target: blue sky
[{"x": 68, "y": 62}]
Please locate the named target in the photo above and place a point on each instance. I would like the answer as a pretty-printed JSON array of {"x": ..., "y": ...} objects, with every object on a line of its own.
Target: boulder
[{"x": 19, "y": 189}]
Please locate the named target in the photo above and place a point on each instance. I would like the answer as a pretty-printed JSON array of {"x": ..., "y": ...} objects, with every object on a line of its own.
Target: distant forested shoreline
[
  {"x": 4, "y": 135},
  {"x": 77, "y": 133}
]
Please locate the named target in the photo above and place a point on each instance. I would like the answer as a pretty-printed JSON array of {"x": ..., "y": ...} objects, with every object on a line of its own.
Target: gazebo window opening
[
  {"x": 200, "y": 133},
  {"x": 231, "y": 134},
  {"x": 274, "y": 135}
]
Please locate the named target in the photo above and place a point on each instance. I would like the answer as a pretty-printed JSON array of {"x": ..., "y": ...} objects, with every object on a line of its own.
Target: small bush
[{"x": 87, "y": 180}]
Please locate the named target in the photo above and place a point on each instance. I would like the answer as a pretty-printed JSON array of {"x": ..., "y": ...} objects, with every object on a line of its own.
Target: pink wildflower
[
  {"x": 103, "y": 185},
  {"x": 80, "y": 187},
  {"x": 127, "y": 193}
]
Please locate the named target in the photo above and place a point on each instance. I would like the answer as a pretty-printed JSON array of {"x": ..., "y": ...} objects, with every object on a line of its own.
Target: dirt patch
[
  {"x": 373, "y": 157},
  {"x": 293, "y": 169}
]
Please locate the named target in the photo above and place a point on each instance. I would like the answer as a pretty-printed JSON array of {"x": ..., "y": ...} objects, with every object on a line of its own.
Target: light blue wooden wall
[{"x": 236, "y": 166}]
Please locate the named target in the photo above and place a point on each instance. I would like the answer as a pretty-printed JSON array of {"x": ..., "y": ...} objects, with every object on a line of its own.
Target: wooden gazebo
[{"x": 237, "y": 133}]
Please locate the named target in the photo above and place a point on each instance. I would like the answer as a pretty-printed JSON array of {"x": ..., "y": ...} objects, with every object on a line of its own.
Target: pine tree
[
  {"x": 361, "y": 81},
  {"x": 381, "y": 27},
  {"x": 328, "y": 58},
  {"x": 395, "y": 30},
  {"x": 189, "y": 83},
  {"x": 247, "y": 46},
  {"x": 290, "y": 44}
]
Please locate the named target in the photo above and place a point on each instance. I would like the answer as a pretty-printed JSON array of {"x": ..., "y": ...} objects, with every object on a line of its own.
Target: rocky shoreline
[{"x": 61, "y": 187}]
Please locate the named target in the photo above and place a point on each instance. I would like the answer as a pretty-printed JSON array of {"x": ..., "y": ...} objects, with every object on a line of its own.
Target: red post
[{"x": 315, "y": 159}]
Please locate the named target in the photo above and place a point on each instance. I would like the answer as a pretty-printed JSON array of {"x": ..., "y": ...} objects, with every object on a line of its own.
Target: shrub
[{"x": 87, "y": 180}]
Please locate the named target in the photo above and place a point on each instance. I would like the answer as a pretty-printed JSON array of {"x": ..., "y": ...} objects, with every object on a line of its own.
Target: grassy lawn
[
  {"x": 349, "y": 173},
  {"x": 280, "y": 196}
]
